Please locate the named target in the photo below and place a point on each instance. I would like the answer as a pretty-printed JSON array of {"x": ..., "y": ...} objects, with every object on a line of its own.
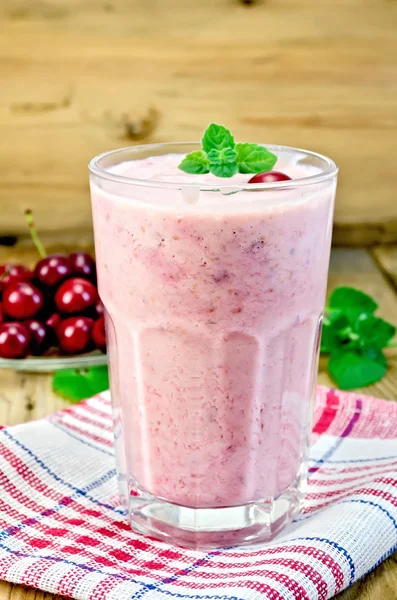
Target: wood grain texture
[
  {"x": 386, "y": 257},
  {"x": 78, "y": 78},
  {"x": 17, "y": 592},
  {"x": 24, "y": 397}
]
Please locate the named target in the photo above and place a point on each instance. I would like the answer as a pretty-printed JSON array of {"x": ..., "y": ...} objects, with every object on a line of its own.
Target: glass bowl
[{"x": 47, "y": 364}]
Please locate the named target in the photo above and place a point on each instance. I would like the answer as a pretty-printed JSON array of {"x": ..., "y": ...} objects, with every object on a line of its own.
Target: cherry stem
[{"x": 33, "y": 232}]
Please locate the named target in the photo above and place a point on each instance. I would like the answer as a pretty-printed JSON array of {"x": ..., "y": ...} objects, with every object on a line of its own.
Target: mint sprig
[
  {"x": 354, "y": 338},
  {"x": 222, "y": 157}
]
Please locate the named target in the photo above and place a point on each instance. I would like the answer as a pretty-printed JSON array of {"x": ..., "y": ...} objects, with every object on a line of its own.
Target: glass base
[{"x": 209, "y": 528}]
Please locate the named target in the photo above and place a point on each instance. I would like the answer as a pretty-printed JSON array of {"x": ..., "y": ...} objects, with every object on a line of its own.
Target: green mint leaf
[
  {"x": 195, "y": 163},
  {"x": 217, "y": 137},
  {"x": 352, "y": 370},
  {"x": 224, "y": 170},
  {"x": 373, "y": 331},
  {"x": 333, "y": 323},
  {"x": 252, "y": 158},
  {"x": 222, "y": 162},
  {"x": 78, "y": 384},
  {"x": 352, "y": 302},
  {"x": 221, "y": 157}
]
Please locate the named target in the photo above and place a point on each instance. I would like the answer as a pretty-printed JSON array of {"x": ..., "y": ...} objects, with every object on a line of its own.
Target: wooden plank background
[{"x": 78, "y": 78}]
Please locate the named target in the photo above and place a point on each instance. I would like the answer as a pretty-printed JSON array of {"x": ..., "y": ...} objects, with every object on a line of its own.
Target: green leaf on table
[
  {"x": 352, "y": 302},
  {"x": 334, "y": 321},
  {"x": 373, "y": 331},
  {"x": 217, "y": 137},
  {"x": 195, "y": 163},
  {"x": 353, "y": 369},
  {"x": 252, "y": 158},
  {"x": 374, "y": 354},
  {"x": 77, "y": 384}
]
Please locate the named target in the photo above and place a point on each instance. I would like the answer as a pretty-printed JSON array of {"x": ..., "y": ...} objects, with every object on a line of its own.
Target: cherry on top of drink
[
  {"x": 269, "y": 177},
  {"x": 52, "y": 308}
]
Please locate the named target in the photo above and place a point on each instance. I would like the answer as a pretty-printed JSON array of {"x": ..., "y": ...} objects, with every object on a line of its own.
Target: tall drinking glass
[{"x": 214, "y": 292}]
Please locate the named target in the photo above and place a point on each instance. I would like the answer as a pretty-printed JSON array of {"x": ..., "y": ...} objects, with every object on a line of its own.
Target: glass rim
[{"x": 331, "y": 169}]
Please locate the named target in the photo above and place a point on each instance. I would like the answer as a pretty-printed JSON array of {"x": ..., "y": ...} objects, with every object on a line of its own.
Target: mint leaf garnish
[
  {"x": 196, "y": 163},
  {"x": 224, "y": 158},
  {"x": 354, "y": 337},
  {"x": 224, "y": 170},
  {"x": 252, "y": 158},
  {"x": 223, "y": 162},
  {"x": 78, "y": 384},
  {"x": 217, "y": 137}
]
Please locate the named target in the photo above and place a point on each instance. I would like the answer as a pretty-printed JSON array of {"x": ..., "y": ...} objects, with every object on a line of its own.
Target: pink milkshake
[{"x": 214, "y": 291}]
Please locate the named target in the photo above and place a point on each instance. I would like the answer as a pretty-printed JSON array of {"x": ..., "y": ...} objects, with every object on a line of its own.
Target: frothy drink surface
[{"x": 214, "y": 302}]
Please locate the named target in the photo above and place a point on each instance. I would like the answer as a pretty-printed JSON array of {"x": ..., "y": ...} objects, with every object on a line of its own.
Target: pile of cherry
[{"x": 52, "y": 309}]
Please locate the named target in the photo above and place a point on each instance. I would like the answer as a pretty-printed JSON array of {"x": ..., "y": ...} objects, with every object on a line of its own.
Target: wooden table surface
[{"x": 25, "y": 397}]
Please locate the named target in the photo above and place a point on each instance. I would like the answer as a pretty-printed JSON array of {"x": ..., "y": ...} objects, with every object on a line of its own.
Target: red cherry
[
  {"x": 40, "y": 337},
  {"x": 52, "y": 324},
  {"x": 99, "y": 334},
  {"x": 22, "y": 300},
  {"x": 75, "y": 295},
  {"x": 74, "y": 334},
  {"x": 14, "y": 273},
  {"x": 1, "y": 313},
  {"x": 269, "y": 177},
  {"x": 53, "y": 269},
  {"x": 83, "y": 264},
  {"x": 14, "y": 340},
  {"x": 99, "y": 308},
  {"x": 53, "y": 321}
]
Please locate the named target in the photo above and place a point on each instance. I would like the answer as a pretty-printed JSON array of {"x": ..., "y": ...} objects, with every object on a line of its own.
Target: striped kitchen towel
[{"x": 63, "y": 529}]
